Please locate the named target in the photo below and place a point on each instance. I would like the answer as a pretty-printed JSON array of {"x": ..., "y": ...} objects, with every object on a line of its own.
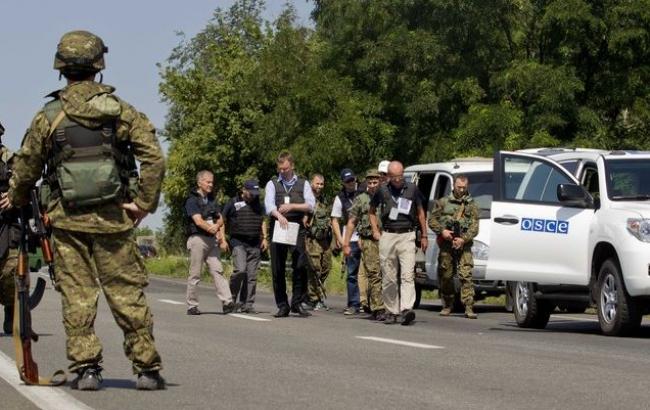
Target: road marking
[
  {"x": 171, "y": 302},
  {"x": 45, "y": 398},
  {"x": 577, "y": 319},
  {"x": 257, "y": 319},
  {"x": 399, "y": 342}
]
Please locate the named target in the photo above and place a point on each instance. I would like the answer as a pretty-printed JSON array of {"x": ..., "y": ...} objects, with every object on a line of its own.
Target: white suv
[
  {"x": 561, "y": 242},
  {"x": 435, "y": 181}
]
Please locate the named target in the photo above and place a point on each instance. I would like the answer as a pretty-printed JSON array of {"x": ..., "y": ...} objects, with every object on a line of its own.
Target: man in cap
[
  {"x": 319, "y": 245},
  {"x": 9, "y": 232},
  {"x": 382, "y": 168},
  {"x": 342, "y": 204},
  {"x": 92, "y": 208},
  {"x": 359, "y": 220},
  {"x": 401, "y": 209},
  {"x": 244, "y": 218}
]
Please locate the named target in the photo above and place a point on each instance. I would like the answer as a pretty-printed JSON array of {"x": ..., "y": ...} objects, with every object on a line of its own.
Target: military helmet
[{"x": 80, "y": 52}]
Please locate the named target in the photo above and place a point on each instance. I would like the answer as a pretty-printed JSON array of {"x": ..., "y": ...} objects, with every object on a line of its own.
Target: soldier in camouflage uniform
[
  {"x": 8, "y": 244},
  {"x": 358, "y": 219},
  {"x": 319, "y": 240},
  {"x": 87, "y": 133},
  {"x": 457, "y": 207}
]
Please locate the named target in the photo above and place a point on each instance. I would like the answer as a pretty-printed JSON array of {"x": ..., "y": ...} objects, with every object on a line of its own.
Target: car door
[
  {"x": 534, "y": 237},
  {"x": 442, "y": 184}
]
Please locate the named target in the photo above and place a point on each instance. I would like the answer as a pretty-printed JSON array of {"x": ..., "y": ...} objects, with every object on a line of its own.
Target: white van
[{"x": 435, "y": 181}]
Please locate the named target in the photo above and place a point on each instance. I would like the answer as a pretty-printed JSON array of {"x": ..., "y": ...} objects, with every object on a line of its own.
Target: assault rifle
[
  {"x": 455, "y": 253},
  {"x": 43, "y": 236},
  {"x": 24, "y": 335}
]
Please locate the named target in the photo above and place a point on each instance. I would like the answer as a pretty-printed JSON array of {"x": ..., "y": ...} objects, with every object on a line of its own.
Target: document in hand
[{"x": 287, "y": 236}]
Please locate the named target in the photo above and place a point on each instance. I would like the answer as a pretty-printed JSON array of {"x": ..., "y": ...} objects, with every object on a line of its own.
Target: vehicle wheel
[
  {"x": 418, "y": 297},
  {"x": 618, "y": 313},
  {"x": 529, "y": 311}
]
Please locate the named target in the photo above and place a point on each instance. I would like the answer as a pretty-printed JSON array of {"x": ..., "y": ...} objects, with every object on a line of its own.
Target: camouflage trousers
[
  {"x": 7, "y": 281},
  {"x": 87, "y": 263},
  {"x": 320, "y": 264},
  {"x": 446, "y": 276},
  {"x": 370, "y": 269}
]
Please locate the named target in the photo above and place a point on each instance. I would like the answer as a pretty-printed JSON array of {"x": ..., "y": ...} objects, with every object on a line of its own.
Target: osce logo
[{"x": 545, "y": 225}]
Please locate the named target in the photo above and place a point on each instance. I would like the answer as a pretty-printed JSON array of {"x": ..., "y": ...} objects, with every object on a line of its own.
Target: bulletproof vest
[
  {"x": 346, "y": 199},
  {"x": 321, "y": 227},
  {"x": 88, "y": 167},
  {"x": 208, "y": 212},
  {"x": 295, "y": 194},
  {"x": 247, "y": 221},
  {"x": 403, "y": 221},
  {"x": 454, "y": 209}
]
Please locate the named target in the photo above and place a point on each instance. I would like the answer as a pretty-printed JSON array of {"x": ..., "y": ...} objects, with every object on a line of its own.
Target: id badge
[
  {"x": 404, "y": 206},
  {"x": 394, "y": 212},
  {"x": 287, "y": 199}
]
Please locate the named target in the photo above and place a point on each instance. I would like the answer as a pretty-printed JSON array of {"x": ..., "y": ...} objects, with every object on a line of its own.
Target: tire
[
  {"x": 529, "y": 311},
  {"x": 418, "y": 297},
  {"x": 510, "y": 296},
  {"x": 618, "y": 313}
]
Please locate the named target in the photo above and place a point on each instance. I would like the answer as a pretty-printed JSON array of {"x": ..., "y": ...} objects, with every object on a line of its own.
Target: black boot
[{"x": 8, "y": 324}]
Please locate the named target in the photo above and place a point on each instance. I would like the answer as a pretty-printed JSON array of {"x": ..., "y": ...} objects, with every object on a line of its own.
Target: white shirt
[{"x": 337, "y": 212}]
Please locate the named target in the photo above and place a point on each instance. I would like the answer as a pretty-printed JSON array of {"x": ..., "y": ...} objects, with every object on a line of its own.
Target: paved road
[{"x": 333, "y": 361}]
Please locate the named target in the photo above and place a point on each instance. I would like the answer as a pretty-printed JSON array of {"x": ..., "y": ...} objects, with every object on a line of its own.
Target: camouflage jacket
[
  {"x": 448, "y": 209},
  {"x": 89, "y": 104},
  {"x": 359, "y": 211},
  {"x": 320, "y": 226}
]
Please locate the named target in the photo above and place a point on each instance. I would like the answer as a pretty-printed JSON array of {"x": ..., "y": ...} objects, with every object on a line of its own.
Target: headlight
[
  {"x": 480, "y": 250},
  {"x": 639, "y": 228}
]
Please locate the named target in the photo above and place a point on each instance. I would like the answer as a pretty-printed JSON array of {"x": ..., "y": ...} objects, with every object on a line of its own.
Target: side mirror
[{"x": 574, "y": 196}]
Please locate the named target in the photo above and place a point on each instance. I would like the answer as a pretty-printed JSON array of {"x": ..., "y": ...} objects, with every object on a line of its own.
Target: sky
[{"x": 139, "y": 34}]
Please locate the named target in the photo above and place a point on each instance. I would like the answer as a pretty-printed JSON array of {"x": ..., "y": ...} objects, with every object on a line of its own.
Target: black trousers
[{"x": 279, "y": 253}]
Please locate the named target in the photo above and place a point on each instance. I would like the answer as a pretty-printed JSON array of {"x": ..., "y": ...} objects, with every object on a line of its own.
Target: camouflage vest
[
  {"x": 361, "y": 206},
  {"x": 321, "y": 225},
  {"x": 456, "y": 210},
  {"x": 87, "y": 167}
]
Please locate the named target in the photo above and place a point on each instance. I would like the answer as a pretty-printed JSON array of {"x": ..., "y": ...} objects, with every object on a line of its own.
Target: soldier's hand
[
  {"x": 347, "y": 250},
  {"x": 5, "y": 203},
  {"x": 447, "y": 235},
  {"x": 135, "y": 213},
  {"x": 264, "y": 245},
  {"x": 458, "y": 243},
  {"x": 424, "y": 243}
]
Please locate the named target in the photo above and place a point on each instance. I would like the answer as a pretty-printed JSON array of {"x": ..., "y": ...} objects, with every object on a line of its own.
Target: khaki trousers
[
  {"x": 205, "y": 249},
  {"x": 397, "y": 254}
]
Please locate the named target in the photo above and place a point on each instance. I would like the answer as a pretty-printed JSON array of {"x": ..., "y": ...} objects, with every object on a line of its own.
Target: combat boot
[
  {"x": 469, "y": 313},
  {"x": 88, "y": 378},
  {"x": 8, "y": 324},
  {"x": 150, "y": 381},
  {"x": 446, "y": 311}
]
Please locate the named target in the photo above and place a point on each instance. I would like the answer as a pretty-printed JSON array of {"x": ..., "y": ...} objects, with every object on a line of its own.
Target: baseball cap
[
  {"x": 383, "y": 166},
  {"x": 252, "y": 186},
  {"x": 347, "y": 175}
]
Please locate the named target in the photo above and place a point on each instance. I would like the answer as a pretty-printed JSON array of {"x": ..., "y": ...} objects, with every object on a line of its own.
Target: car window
[
  {"x": 590, "y": 180},
  {"x": 570, "y": 165},
  {"x": 531, "y": 180},
  {"x": 628, "y": 179},
  {"x": 425, "y": 183}
]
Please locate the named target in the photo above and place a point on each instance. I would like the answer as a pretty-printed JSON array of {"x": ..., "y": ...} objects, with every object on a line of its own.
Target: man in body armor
[
  {"x": 455, "y": 220},
  {"x": 288, "y": 199},
  {"x": 401, "y": 208},
  {"x": 204, "y": 222},
  {"x": 244, "y": 217},
  {"x": 342, "y": 203},
  {"x": 359, "y": 220},
  {"x": 84, "y": 144},
  {"x": 9, "y": 234},
  {"x": 319, "y": 241}
]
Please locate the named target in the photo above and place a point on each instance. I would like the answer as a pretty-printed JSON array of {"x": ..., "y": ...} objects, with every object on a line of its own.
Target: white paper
[
  {"x": 287, "y": 236},
  {"x": 239, "y": 205},
  {"x": 404, "y": 206}
]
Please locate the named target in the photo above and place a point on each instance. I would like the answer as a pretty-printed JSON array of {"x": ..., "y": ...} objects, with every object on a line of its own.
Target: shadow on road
[{"x": 587, "y": 327}]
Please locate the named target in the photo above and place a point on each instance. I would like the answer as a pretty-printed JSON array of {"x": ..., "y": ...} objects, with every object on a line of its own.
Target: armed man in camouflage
[
  {"x": 359, "y": 219},
  {"x": 456, "y": 212},
  {"x": 319, "y": 241},
  {"x": 9, "y": 232},
  {"x": 83, "y": 143}
]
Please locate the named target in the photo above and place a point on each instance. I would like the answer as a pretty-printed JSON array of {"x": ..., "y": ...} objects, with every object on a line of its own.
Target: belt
[{"x": 401, "y": 230}]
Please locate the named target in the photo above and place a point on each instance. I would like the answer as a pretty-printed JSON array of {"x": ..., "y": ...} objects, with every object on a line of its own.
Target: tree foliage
[{"x": 414, "y": 80}]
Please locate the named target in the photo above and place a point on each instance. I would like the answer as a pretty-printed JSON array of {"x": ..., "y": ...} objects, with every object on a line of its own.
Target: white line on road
[
  {"x": 577, "y": 319},
  {"x": 257, "y": 319},
  {"x": 399, "y": 342},
  {"x": 45, "y": 398},
  {"x": 171, "y": 302}
]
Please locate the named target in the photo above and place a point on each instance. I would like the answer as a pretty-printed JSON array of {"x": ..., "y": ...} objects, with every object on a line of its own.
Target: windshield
[
  {"x": 481, "y": 187},
  {"x": 628, "y": 179}
]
